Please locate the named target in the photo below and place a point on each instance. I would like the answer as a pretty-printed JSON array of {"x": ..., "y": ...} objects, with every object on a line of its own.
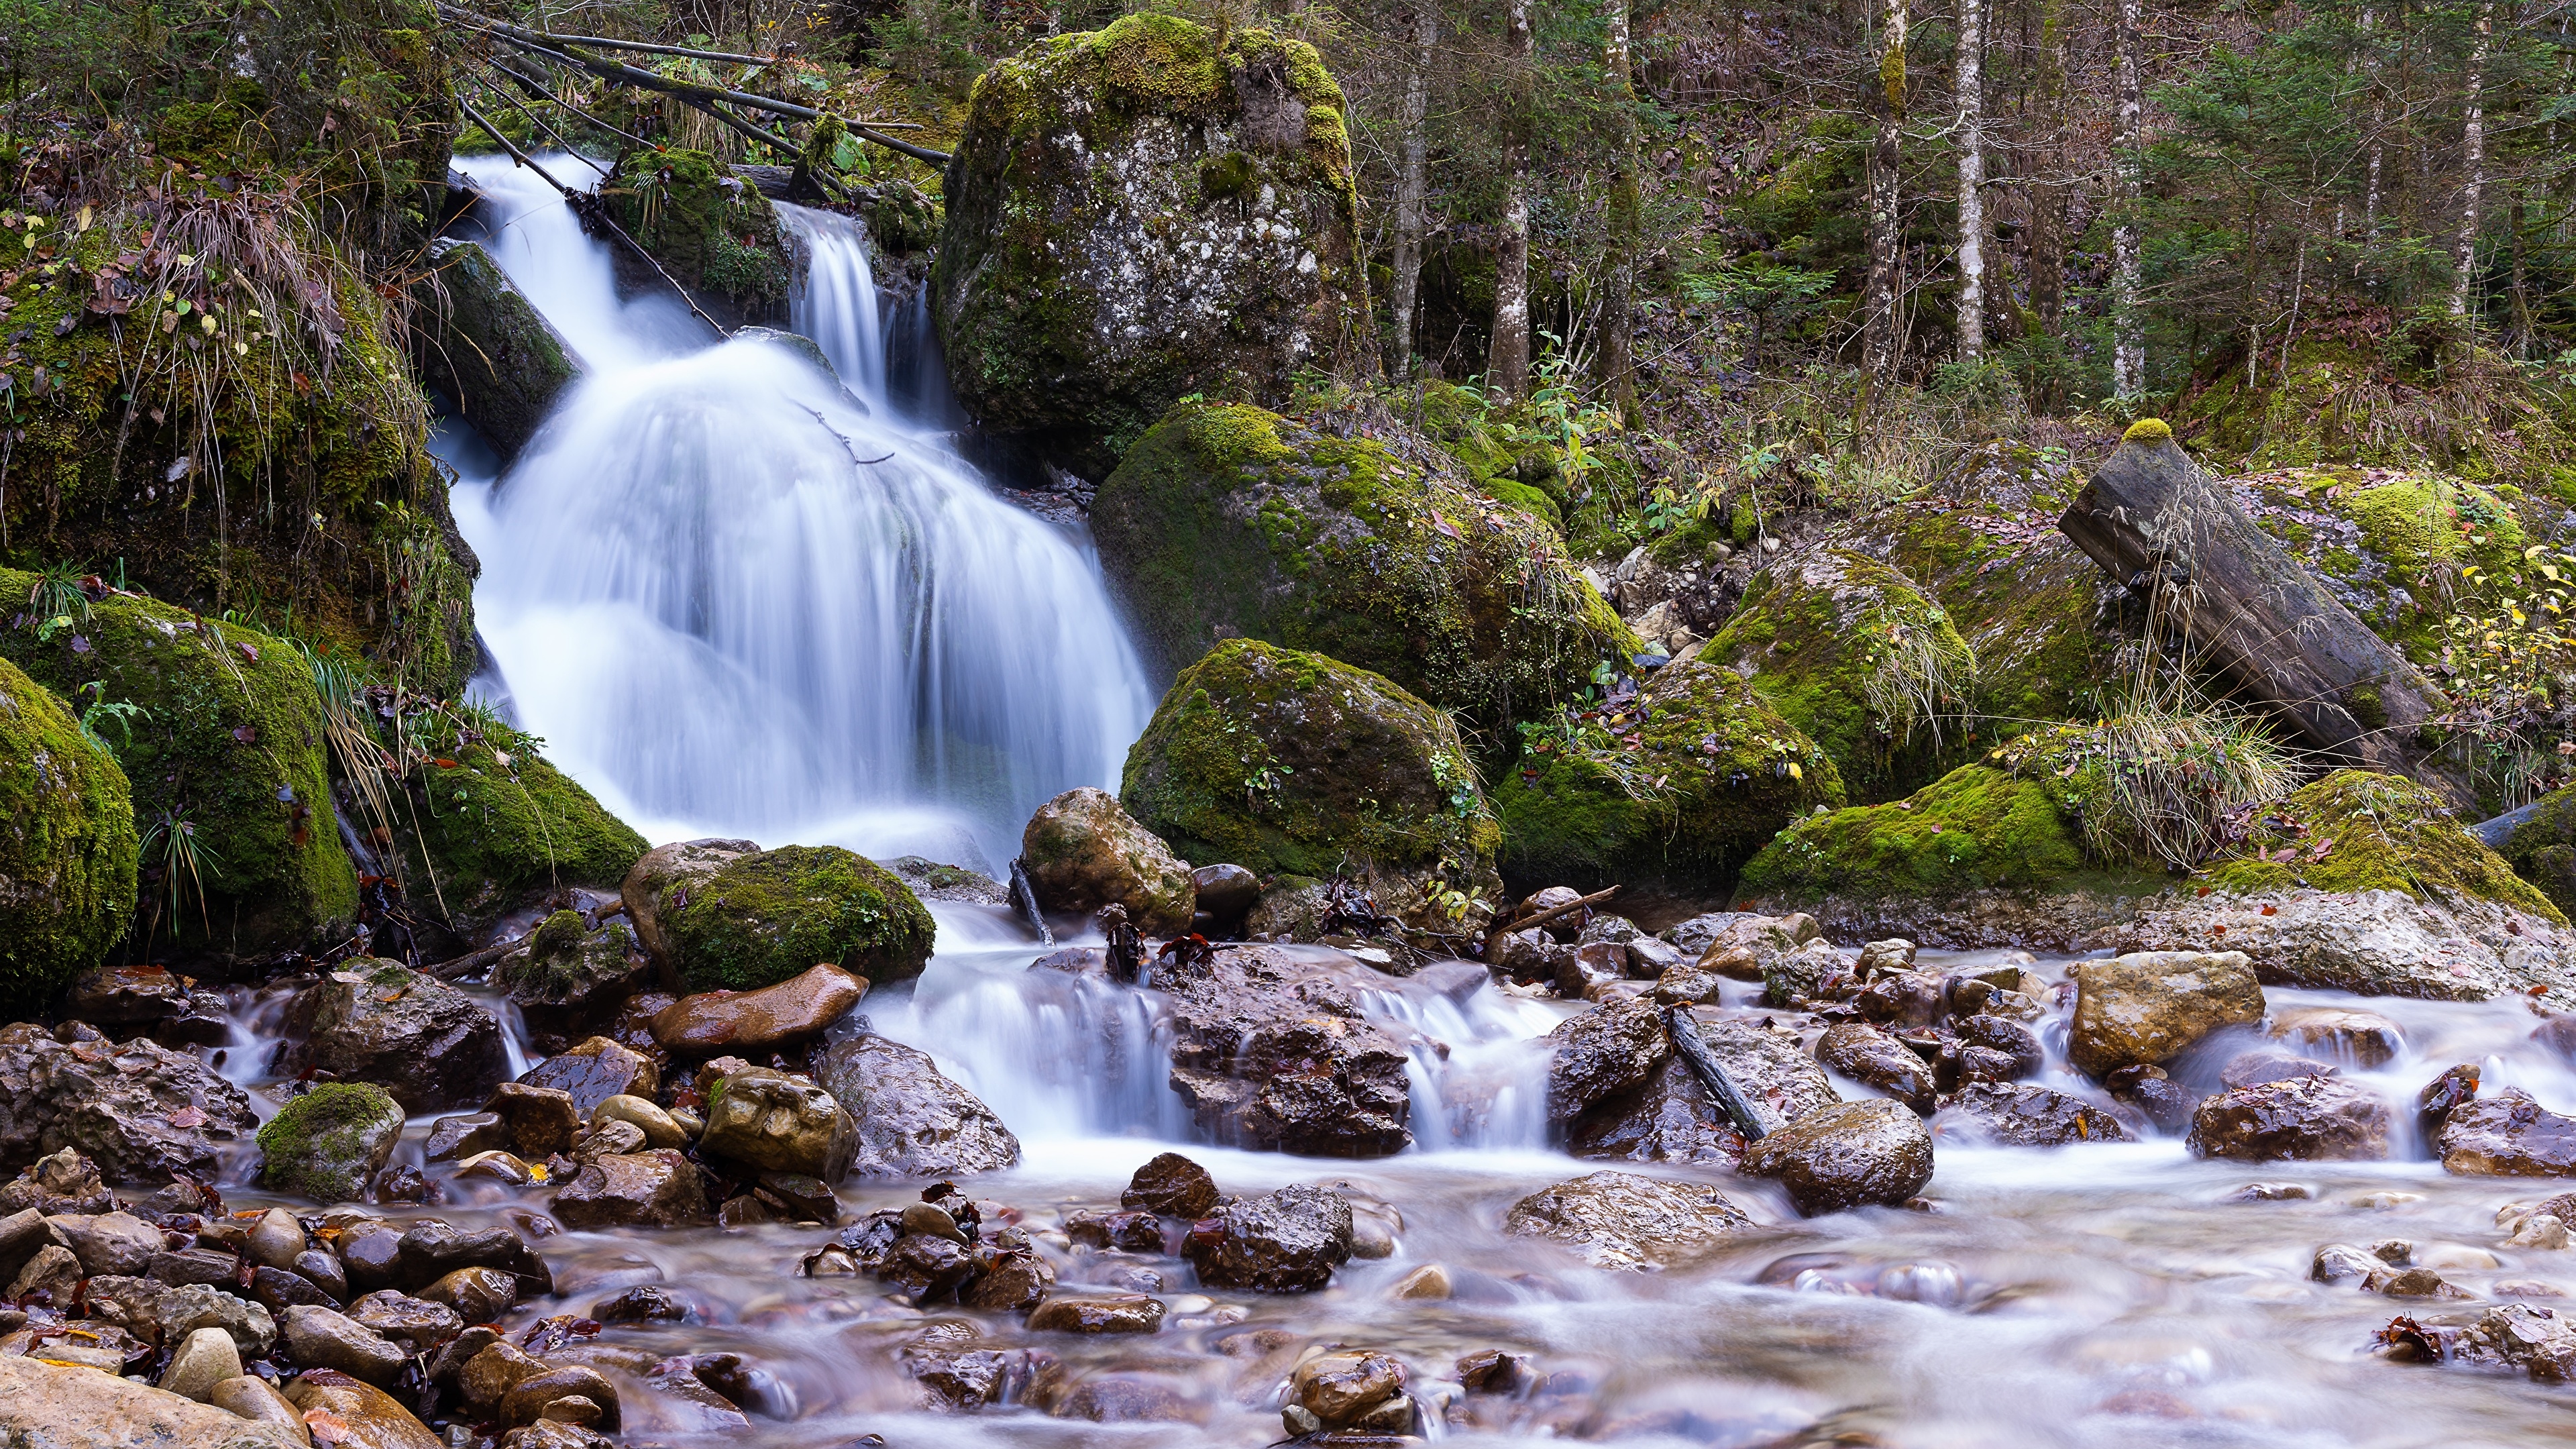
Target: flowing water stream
[{"x": 722, "y": 623}]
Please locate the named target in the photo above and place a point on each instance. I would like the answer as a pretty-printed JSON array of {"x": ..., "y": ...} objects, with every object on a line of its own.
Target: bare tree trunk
[
  {"x": 1411, "y": 182},
  {"x": 1507, "y": 359},
  {"x": 2521, "y": 281},
  {"x": 2128, "y": 327},
  {"x": 1881, "y": 346},
  {"x": 2047, "y": 190},
  {"x": 1618, "y": 361},
  {"x": 1972, "y": 178},
  {"x": 2378, "y": 123},
  {"x": 2473, "y": 142}
]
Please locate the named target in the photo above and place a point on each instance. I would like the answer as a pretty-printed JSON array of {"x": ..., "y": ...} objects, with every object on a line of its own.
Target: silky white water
[{"x": 738, "y": 596}]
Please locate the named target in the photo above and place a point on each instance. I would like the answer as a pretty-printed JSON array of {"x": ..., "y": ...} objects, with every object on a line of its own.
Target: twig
[
  {"x": 472, "y": 961},
  {"x": 1685, "y": 1034},
  {"x": 1547, "y": 917}
]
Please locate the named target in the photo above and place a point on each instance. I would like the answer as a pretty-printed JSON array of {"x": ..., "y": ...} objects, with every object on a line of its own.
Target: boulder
[
  {"x": 328, "y": 1144},
  {"x": 1777, "y": 1079},
  {"x": 429, "y": 1044},
  {"x": 569, "y": 978},
  {"x": 2507, "y": 1135},
  {"x": 659, "y": 1128},
  {"x": 139, "y": 1112},
  {"x": 1621, "y": 1221},
  {"x": 1122, "y": 1313},
  {"x": 654, "y": 1189},
  {"x": 1270, "y": 1051},
  {"x": 67, "y": 846},
  {"x": 1683, "y": 780},
  {"x": 323, "y": 1338},
  {"x": 719, "y": 914},
  {"x": 1852, "y": 654},
  {"x": 595, "y": 1069},
  {"x": 51, "y": 1406},
  {"x": 1142, "y": 212},
  {"x": 499, "y": 362},
  {"x": 1671, "y": 1118},
  {"x": 1858, "y": 1154},
  {"x": 1082, "y": 852},
  {"x": 716, "y": 237},
  {"x": 2300, "y": 1118},
  {"x": 2539, "y": 1341},
  {"x": 2147, "y": 1008},
  {"x": 2012, "y": 1114},
  {"x": 1712, "y": 936},
  {"x": 776, "y": 1122},
  {"x": 912, "y": 1122},
  {"x": 1288, "y": 1241},
  {"x": 372, "y": 1418},
  {"x": 1873, "y": 1058},
  {"x": 205, "y": 1358},
  {"x": 1228, "y": 522},
  {"x": 541, "y": 1120},
  {"x": 1171, "y": 1185},
  {"x": 2365, "y": 1039},
  {"x": 772, "y": 1018},
  {"x": 505, "y": 825},
  {"x": 1594, "y": 1055},
  {"x": 1293, "y": 764}
]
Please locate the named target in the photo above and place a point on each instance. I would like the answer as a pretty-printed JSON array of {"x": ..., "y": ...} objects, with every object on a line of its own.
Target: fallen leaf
[
  {"x": 2271, "y": 910},
  {"x": 248, "y": 650},
  {"x": 326, "y": 1427},
  {"x": 190, "y": 1116}
]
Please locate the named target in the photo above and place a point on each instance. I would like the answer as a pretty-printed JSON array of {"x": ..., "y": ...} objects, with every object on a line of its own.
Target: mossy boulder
[
  {"x": 328, "y": 1144},
  {"x": 1143, "y": 212},
  {"x": 226, "y": 741},
  {"x": 500, "y": 821},
  {"x": 1852, "y": 654},
  {"x": 1681, "y": 781},
  {"x": 1978, "y": 857},
  {"x": 716, "y": 235},
  {"x": 1293, "y": 764},
  {"x": 480, "y": 342},
  {"x": 1227, "y": 521},
  {"x": 2542, "y": 848},
  {"x": 357, "y": 92},
  {"x": 255, "y": 445},
  {"x": 1083, "y": 853},
  {"x": 2355, "y": 831},
  {"x": 67, "y": 846},
  {"x": 761, "y": 918}
]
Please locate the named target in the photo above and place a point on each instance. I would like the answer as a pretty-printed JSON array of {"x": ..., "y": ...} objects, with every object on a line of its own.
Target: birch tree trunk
[
  {"x": 1881, "y": 346},
  {"x": 1972, "y": 178},
  {"x": 1412, "y": 180},
  {"x": 1507, "y": 358},
  {"x": 2378, "y": 124},
  {"x": 2473, "y": 144},
  {"x": 1618, "y": 360},
  {"x": 2128, "y": 327}
]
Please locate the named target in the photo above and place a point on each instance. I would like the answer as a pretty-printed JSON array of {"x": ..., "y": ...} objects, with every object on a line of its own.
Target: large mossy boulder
[
  {"x": 1852, "y": 654},
  {"x": 1227, "y": 522},
  {"x": 1680, "y": 781},
  {"x": 329, "y": 1144},
  {"x": 719, "y": 918},
  {"x": 67, "y": 846},
  {"x": 1979, "y": 857},
  {"x": 500, "y": 821},
  {"x": 1289, "y": 763},
  {"x": 713, "y": 234},
  {"x": 2355, "y": 831},
  {"x": 480, "y": 342},
  {"x": 1140, "y": 213},
  {"x": 224, "y": 745},
  {"x": 2542, "y": 847}
]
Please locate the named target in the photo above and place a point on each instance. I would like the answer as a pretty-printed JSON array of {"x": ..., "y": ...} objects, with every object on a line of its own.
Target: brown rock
[
  {"x": 368, "y": 1417},
  {"x": 465, "y": 1135},
  {"x": 1613, "y": 1048},
  {"x": 595, "y": 1069},
  {"x": 541, "y": 1119},
  {"x": 1855, "y": 1154},
  {"x": 428, "y": 1044},
  {"x": 118, "y": 1107},
  {"x": 258, "y": 1400},
  {"x": 1671, "y": 1118},
  {"x": 1776, "y": 1076},
  {"x": 1337, "y": 1388},
  {"x": 658, "y": 1189},
  {"x": 665, "y": 866},
  {"x": 1172, "y": 1185},
  {"x": 793, "y": 1011},
  {"x": 1288, "y": 1241},
  {"x": 912, "y": 1121},
  {"x": 2366, "y": 1039},
  {"x": 778, "y": 1122},
  {"x": 526, "y": 1401},
  {"x": 1873, "y": 1058},
  {"x": 1012, "y": 1280},
  {"x": 2149, "y": 1007},
  {"x": 1620, "y": 1220},
  {"x": 2015, "y": 1114},
  {"x": 1688, "y": 985},
  {"x": 320, "y": 1338},
  {"x": 1271, "y": 1051},
  {"x": 479, "y": 1295},
  {"x": 1123, "y": 1313},
  {"x": 1084, "y": 851},
  {"x": 2295, "y": 1119},
  {"x": 2508, "y": 1135},
  {"x": 46, "y": 1406}
]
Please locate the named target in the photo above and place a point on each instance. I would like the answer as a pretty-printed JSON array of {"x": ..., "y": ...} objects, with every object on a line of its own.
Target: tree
[
  {"x": 1971, "y": 86},
  {"x": 1412, "y": 179},
  {"x": 2128, "y": 321},
  {"x": 1618, "y": 307},
  {"x": 1881, "y": 346},
  {"x": 2473, "y": 145},
  {"x": 1507, "y": 359}
]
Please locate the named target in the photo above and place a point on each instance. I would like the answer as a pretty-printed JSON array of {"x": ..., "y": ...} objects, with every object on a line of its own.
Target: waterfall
[{"x": 737, "y": 595}]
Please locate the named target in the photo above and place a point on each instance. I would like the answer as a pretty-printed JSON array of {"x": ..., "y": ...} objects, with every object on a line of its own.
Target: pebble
[{"x": 1428, "y": 1282}]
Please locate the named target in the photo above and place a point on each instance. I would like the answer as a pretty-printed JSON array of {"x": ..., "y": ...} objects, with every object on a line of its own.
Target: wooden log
[
  {"x": 2157, "y": 523},
  {"x": 1730, "y": 1098}
]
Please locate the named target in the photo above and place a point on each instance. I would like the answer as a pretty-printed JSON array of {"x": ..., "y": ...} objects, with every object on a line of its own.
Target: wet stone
[
  {"x": 541, "y": 1120},
  {"x": 1873, "y": 1058},
  {"x": 1853, "y": 1155},
  {"x": 1173, "y": 1186},
  {"x": 1127, "y": 1313},
  {"x": 758, "y": 1022},
  {"x": 2020, "y": 1115},
  {"x": 595, "y": 1069},
  {"x": 2508, "y": 1135},
  {"x": 658, "y": 1189},
  {"x": 1620, "y": 1220},
  {"x": 2296, "y": 1119},
  {"x": 1135, "y": 1232},
  {"x": 1288, "y": 1241}
]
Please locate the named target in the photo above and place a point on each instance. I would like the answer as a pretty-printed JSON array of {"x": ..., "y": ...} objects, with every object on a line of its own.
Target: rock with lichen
[
  {"x": 329, "y": 1144},
  {"x": 1142, "y": 212}
]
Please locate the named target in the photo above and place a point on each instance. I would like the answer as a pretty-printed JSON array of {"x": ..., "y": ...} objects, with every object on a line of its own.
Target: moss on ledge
[
  {"x": 1976, "y": 828},
  {"x": 2356, "y": 831},
  {"x": 763, "y": 918}
]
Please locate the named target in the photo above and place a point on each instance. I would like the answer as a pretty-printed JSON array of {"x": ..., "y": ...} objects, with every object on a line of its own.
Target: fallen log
[
  {"x": 2158, "y": 524},
  {"x": 1730, "y": 1098}
]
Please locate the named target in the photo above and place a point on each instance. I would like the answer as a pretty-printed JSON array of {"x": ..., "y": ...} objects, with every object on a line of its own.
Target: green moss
[
  {"x": 67, "y": 847},
  {"x": 229, "y": 739},
  {"x": 2542, "y": 849},
  {"x": 2148, "y": 431},
  {"x": 2427, "y": 398},
  {"x": 1288, "y": 762},
  {"x": 2392, "y": 546},
  {"x": 498, "y": 823},
  {"x": 1853, "y": 655},
  {"x": 321, "y": 1145},
  {"x": 2356, "y": 831},
  {"x": 1226, "y": 520},
  {"x": 567, "y": 963},
  {"x": 766, "y": 917},
  {"x": 1976, "y": 828},
  {"x": 1712, "y": 774},
  {"x": 716, "y": 236}
]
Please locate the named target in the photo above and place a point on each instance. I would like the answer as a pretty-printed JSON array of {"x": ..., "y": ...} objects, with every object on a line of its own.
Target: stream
[{"x": 738, "y": 596}]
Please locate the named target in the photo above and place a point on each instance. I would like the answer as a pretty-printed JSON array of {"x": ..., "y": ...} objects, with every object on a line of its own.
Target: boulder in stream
[
  {"x": 1270, "y": 1050},
  {"x": 328, "y": 1144},
  {"x": 2015, "y": 1114},
  {"x": 429, "y": 1044},
  {"x": 1621, "y": 1220},
  {"x": 724, "y": 914},
  {"x": 772, "y": 1018},
  {"x": 139, "y": 1111},
  {"x": 777, "y": 1122},
  {"x": 569, "y": 978},
  {"x": 1873, "y": 1058},
  {"x": 1084, "y": 851},
  {"x": 497, "y": 360},
  {"x": 1594, "y": 1055},
  {"x": 2301, "y": 1118},
  {"x": 1171, "y": 1185},
  {"x": 1855, "y": 1154},
  {"x": 2507, "y": 1135},
  {"x": 653, "y": 1189},
  {"x": 912, "y": 1121},
  {"x": 1288, "y": 1241},
  {"x": 1670, "y": 1118},
  {"x": 2147, "y": 1008}
]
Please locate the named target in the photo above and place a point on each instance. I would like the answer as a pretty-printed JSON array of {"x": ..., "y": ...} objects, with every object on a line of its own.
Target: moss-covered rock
[
  {"x": 330, "y": 1143},
  {"x": 67, "y": 846},
  {"x": 255, "y": 444},
  {"x": 1291, "y": 763},
  {"x": 226, "y": 741},
  {"x": 1681, "y": 782},
  {"x": 357, "y": 92},
  {"x": 2542, "y": 848},
  {"x": 2354, "y": 831},
  {"x": 1852, "y": 654},
  {"x": 763, "y": 918},
  {"x": 717, "y": 236},
  {"x": 1227, "y": 521},
  {"x": 481, "y": 343},
  {"x": 1142, "y": 212},
  {"x": 500, "y": 821}
]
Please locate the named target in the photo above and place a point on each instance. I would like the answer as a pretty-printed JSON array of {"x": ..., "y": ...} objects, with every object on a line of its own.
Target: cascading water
[{"x": 739, "y": 596}]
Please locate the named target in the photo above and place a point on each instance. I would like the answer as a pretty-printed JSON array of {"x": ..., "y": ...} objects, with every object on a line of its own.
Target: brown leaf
[
  {"x": 326, "y": 1427},
  {"x": 190, "y": 1116}
]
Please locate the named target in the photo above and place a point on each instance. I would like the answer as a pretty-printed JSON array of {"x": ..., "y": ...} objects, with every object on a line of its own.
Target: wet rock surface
[
  {"x": 426, "y": 1042},
  {"x": 139, "y": 1111},
  {"x": 1856, "y": 1154},
  {"x": 2299, "y": 1118},
  {"x": 911, "y": 1121},
  {"x": 2146, "y": 1008},
  {"x": 1620, "y": 1220},
  {"x": 1271, "y": 1050},
  {"x": 1288, "y": 1241},
  {"x": 761, "y": 1021},
  {"x": 2508, "y": 1135},
  {"x": 1084, "y": 851},
  {"x": 2016, "y": 1115}
]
